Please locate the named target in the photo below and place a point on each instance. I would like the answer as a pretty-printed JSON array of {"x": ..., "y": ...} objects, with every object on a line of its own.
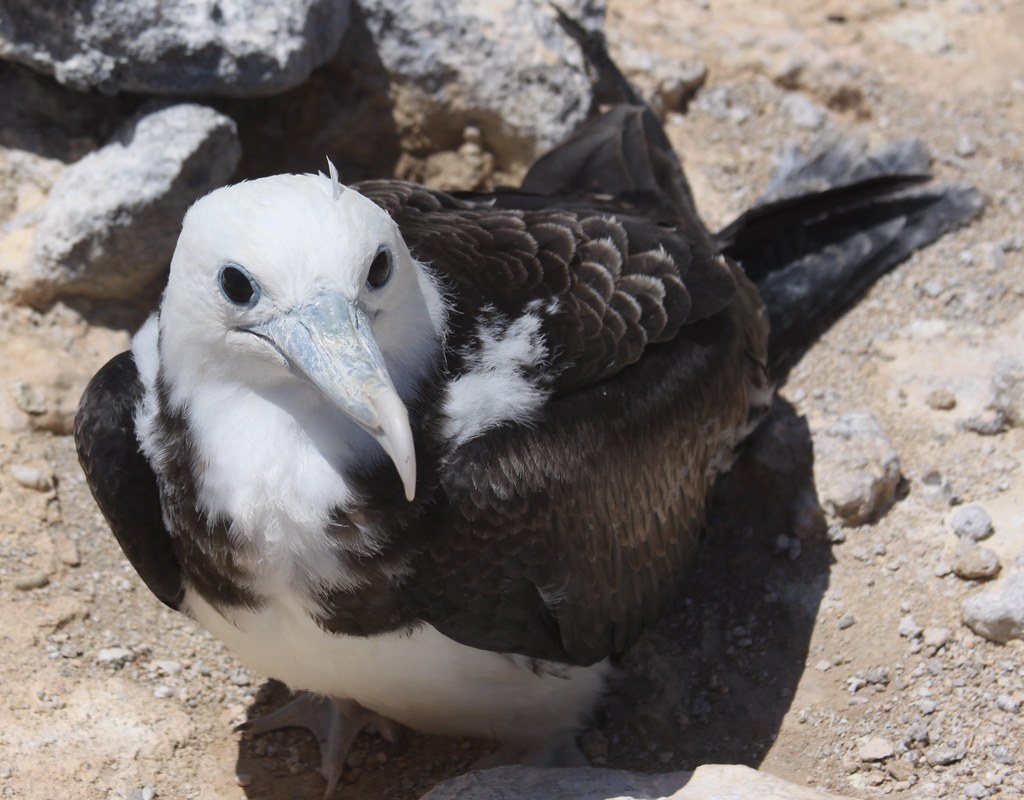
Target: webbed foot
[{"x": 334, "y": 723}]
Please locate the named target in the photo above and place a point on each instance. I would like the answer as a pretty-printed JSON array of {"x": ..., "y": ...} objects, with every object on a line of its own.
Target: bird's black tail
[{"x": 832, "y": 222}]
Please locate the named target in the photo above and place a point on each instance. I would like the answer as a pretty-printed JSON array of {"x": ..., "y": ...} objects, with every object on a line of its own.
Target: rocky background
[{"x": 856, "y": 621}]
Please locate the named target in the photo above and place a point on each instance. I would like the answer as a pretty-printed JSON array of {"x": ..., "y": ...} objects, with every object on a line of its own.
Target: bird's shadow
[{"x": 710, "y": 683}]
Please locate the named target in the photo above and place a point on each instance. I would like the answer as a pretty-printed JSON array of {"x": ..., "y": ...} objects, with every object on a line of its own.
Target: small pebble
[
  {"x": 926, "y": 706},
  {"x": 33, "y": 580},
  {"x": 918, "y": 732},
  {"x": 115, "y": 655},
  {"x": 989, "y": 423},
  {"x": 1006, "y": 703},
  {"x": 971, "y": 522},
  {"x": 971, "y": 561},
  {"x": 846, "y": 621},
  {"x": 875, "y": 748},
  {"x": 878, "y": 676},
  {"x": 69, "y": 651},
  {"x": 31, "y": 478},
  {"x": 997, "y": 612},
  {"x": 937, "y": 487},
  {"x": 243, "y": 779},
  {"x": 803, "y": 112},
  {"x": 1001, "y": 754},
  {"x": 900, "y": 769},
  {"x": 975, "y": 789},
  {"x": 966, "y": 146},
  {"x": 909, "y": 628},
  {"x": 168, "y": 667},
  {"x": 944, "y": 756},
  {"x": 163, "y": 692},
  {"x": 935, "y": 637},
  {"x": 67, "y": 551},
  {"x": 594, "y": 744},
  {"x": 940, "y": 399},
  {"x": 29, "y": 399},
  {"x": 240, "y": 678},
  {"x": 823, "y": 666}
]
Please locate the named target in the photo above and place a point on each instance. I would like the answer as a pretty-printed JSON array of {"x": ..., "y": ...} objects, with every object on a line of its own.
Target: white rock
[
  {"x": 31, "y": 478},
  {"x": 875, "y": 748},
  {"x": 971, "y": 522},
  {"x": 971, "y": 561},
  {"x": 997, "y": 611},
  {"x": 709, "y": 782},
  {"x": 1008, "y": 389},
  {"x": 856, "y": 468},
  {"x": 803, "y": 112},
  {"x": 113, "y": 217},
  {"x": 507, "y": 67},
  {"x": 115, "y": 655},
  {"x": 230, "y": 47}
]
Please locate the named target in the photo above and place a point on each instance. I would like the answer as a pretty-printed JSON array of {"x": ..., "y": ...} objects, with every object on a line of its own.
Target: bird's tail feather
[
  {"x": 625, "y": 153},
  {"x": 831, "y": 223}
]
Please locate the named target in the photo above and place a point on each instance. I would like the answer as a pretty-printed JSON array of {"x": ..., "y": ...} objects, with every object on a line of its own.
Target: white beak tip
[{"x": 396, "y": 438}]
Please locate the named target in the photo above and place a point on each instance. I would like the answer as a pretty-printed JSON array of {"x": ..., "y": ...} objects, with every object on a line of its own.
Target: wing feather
[{"x": 121, "y": 478}]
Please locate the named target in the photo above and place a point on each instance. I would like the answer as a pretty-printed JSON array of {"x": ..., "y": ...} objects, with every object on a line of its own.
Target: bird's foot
[
  {"x": 334, "y": 723},
  {"x": 562, "y": 751}
]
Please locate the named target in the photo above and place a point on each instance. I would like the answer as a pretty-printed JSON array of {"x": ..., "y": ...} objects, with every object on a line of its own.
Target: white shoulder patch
[
  {"x": 497, "y": 388},
  {"x": 145, "y": 353}
]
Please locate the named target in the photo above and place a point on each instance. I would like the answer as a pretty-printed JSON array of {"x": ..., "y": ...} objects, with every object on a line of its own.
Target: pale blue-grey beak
[{"x": 330, "y": 343}]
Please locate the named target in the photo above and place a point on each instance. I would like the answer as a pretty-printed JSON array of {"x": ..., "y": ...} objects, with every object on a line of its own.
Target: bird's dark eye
[
  {"x": 380, "y": 270},
  {"x": 238, "y": 285}
]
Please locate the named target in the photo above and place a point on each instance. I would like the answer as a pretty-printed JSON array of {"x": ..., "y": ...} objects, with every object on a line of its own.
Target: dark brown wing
[
  {"x": 604, "y": 284},
  {"x": 563, "y": 540},
  {"x": 121, "y": 479}
]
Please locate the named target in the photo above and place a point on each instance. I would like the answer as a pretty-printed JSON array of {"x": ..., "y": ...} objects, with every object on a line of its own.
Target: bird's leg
[{"x": 334, "y": 723}]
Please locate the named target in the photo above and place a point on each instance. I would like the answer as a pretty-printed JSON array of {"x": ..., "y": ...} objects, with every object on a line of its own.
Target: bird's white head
[{"x": 297, "y": 282}]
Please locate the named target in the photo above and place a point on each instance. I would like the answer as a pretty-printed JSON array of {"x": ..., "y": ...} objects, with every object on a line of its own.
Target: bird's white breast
[{"x": 420, "y": 678}]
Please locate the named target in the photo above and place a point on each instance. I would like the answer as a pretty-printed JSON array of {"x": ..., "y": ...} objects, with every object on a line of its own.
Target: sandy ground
[{"x": 104, "y": 693}]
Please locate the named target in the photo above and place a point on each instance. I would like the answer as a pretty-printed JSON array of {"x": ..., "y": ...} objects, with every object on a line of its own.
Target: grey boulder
[
  {"x": 507, "y": 68},
  {"x": 224, "y": 47},
  {"x": 110, "y": 225}
]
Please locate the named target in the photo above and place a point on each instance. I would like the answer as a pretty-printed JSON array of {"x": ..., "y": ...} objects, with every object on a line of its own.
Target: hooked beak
[{"x": 330, "y": 343}]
